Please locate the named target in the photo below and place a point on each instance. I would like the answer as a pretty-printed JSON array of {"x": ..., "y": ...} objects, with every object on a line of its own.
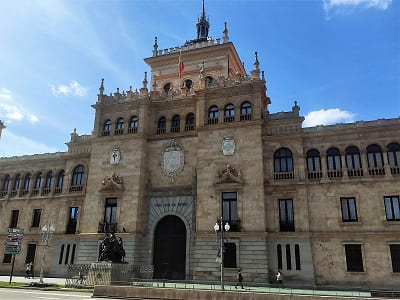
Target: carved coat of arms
[
  {"x": 172, "y": 160},
  {"x": 228, "y": 145},
  {"x": 115, "y": 156}
]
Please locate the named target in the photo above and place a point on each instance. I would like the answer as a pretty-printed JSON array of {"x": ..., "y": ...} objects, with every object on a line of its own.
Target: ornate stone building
[{"x": 164, "y": 162}]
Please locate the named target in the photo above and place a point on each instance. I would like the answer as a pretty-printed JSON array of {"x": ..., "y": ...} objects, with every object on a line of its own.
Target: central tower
[{"x": 202, "y": 25}]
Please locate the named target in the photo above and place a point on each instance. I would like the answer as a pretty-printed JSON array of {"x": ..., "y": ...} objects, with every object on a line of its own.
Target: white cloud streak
[
  {"x": 327, "y": 117},
  {"x": 74, "y": 88},
  {"x": 10, "y": 110},
  {"x": 14, "y": 145},
  {"x": 345, "y": 7}
]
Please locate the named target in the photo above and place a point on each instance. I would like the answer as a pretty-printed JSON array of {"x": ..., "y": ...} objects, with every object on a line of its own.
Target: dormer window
[
  {"x": 167, "y": 87},
  {"x": 188, "y": 84}
]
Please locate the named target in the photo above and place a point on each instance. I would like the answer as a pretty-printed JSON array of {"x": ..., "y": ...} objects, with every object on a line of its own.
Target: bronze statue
[{"x": 111, "y": 249}]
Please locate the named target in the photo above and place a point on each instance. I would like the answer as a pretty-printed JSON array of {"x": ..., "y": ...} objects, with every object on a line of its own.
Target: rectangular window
[
  {"x": 73, "y": 254},
  {"x": 7, "y": 258},
  {"x": 14, "y": 218},
  {"x": 286, "y": 216},
  {"x": 279, "y": 254},
  {"x": 61, "y": 254},
  {"x": 229, "y": 255},
  {"x": 297, "y": 256},
  {"x": 30, "y": 253},
  {"x": 229, "y": 210},
  {"x": 392, "y": 207},
  {"x": 72, "y": 220},
  {"x": 349, "y": 209},
  {"x": 110, "y": 215},
  {"x": 354, "y": 258},
  {"x": 36, "y": 217},
  {"x": 395, "y": 254},
  {"x": 67, "y": 254}
]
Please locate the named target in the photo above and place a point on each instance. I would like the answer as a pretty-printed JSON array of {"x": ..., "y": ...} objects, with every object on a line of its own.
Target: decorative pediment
[
  {"x": 112, "y": 183},
  {"x": 229, "y": 175}
]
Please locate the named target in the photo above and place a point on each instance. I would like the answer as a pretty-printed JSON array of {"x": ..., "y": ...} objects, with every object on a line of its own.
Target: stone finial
[
  {"x": 74, "y": 136},
  {"x": 154, "y": 86},
  {"x": 101, "y": 89},
  {"x": 296, "y": 108},
  {"x": 225, "y": 38},
  {"x": 145, "y": 81},
  {"x": 155, "y": 47},
  {"x": 130, "y": 88},
  {"x": 256, "y": 62},
  {"x": 262, "y": 75}
]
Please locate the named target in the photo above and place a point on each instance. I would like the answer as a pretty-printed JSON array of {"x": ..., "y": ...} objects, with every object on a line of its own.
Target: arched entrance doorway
[{"x": 169, "y": 253}]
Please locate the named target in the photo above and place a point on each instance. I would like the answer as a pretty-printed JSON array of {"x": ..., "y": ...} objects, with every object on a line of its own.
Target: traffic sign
[
  {"x": 13, "y": 243},
  {"x": 12, "y": 251},
  {"x": 15, "y": 230}
]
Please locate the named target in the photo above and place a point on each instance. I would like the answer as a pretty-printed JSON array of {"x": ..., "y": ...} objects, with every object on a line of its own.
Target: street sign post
[{"x": 13, "y": 245}]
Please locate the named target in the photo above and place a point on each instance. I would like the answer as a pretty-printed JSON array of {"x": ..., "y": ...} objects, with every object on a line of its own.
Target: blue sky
[{"x": 340, "y": 59}]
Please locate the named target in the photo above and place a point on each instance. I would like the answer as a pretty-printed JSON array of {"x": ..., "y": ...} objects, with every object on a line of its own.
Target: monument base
[{"x": 107, "y": 273}]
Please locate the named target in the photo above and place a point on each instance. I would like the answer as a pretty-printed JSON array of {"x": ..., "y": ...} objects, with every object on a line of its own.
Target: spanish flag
[{"x": 180, "y": 65}]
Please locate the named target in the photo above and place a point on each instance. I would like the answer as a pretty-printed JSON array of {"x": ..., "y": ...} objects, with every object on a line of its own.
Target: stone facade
[{"x": 182, "y": 145}]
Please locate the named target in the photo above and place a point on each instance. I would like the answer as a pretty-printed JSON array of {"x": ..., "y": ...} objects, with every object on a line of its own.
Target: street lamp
[
  {"x": 48, "y": 231},
  {"x": 219, "y": 229}
]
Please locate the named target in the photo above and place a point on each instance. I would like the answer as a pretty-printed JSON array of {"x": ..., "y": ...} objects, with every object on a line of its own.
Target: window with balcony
[
  {"x": 176, "y": 123},
  {"x": 229, "y": 113},
  {"x": 313, "y": 164},
  {"x": 349, "y": 209},
  {"x": 119, "y": 129},
  {"x": 27, "y": 182},
  {"x": 392, "y": 208},
  {"x": 60, "y": 182},
  {"x": 286, "y": 215},
  {"x": 354, "y": 260},
  {"x": 353, "y": 162},
  {"x": 162, "y": 125},
  {"x": 48, "y": 182},
  {"x": 17, "y": 182},
  {"x": 106, "y": 128},
  {"x": 190, "y": 120},
  {"x": 245, "y": 111},
  {"x": 334, "y": 163},
  {"x": 188, "y": 84},
  {"x": 375, "y": 160},
  {"x": 72, "y": 220},
  {"x": 283, "y": 164},
  {"x": 395, "y": 256},
  {"x": 133, "y": 125},
  {"x": 110, "y": 216},
  {"x": 393, "y": 152},
  {"x": 14, "y": 218},
  {"x": 229, "y": 210},
  {"x": 4, "y": 188},
  {"x": 213, "y": 115},
  {"x": 78, "y": 178},
  {"x": 38, "y": 183},
  {"x": 37, "y": 213}
]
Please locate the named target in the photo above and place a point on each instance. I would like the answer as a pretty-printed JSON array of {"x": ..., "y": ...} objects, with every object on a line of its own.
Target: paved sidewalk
[{"x": 59, "y": 281}]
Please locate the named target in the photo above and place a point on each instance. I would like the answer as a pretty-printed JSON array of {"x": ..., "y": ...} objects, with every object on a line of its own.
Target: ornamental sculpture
[
  {"x": 172, "y": 160},
  {"x": 111, "y": 249},
  {"x": 229, "y": 175},
  {"x": 112, "y": 183},
  {"x": 115, "y": 156}
]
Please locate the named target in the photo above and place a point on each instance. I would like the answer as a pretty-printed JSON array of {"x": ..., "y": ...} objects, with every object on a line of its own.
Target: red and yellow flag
[{"x": 180, "y": 65}]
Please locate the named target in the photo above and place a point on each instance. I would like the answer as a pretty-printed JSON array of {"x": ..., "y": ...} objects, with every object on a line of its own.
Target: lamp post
[
  {"x": 219, "y": 231},
  {"x": 48, "y": 231}
]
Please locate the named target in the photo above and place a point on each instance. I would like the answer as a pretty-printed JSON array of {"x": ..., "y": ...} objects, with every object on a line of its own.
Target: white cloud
[
  {"x": 13, "y": 145},
  {"x": 74, "y": 88},
  {"x": 11, "y": 111},
  {"x": 326, "y": 117},
  {"x": 344, "y": 7}
]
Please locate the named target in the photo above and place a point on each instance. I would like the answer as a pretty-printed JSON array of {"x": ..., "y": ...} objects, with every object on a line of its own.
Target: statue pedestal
[{"x": 107, "y": 273}]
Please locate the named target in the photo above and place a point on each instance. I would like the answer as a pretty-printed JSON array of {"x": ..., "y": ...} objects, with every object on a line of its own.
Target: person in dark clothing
[{"x": 239, "y": 279}]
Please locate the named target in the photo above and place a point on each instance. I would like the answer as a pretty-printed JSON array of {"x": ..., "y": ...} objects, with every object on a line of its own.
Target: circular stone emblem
[{"x": 228, "y": 145}]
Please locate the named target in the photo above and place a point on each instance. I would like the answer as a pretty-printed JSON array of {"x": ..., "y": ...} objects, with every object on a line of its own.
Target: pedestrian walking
[
  {"x": 239, "y": 279},
  {"x": 279, "y": 277}
]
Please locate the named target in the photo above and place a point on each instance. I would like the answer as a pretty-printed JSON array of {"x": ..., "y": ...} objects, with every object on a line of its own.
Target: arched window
[
  {"x": 297, "y": 256},
  {"x": 176, "y": 123},
  {"x": 229, "y": 113},
  {"x": 313, "y": 160},
  {"x": 6, "y": 183},
  {"x": 120, "y": 123},
  {"x": 189, "y": 122},
  {"x": 49, "y": 180},
  {"x": 188, "y": 84},
  {"x": 209, "y": 80},
  {"x": 133, "y": 124},
  {"x": 27, "y": 181},
  {"x": 106, "y": 128},
  {"x": 393, "y": 151},
  {"x": 78, "y": 176},
  {"x": 60, "y": 181},
  {"x": 353, "y": 158},
  {"x": 288, "y": 258},
  {"x": 17, "y": 182},
  {"x": 333, "y": 159},
  {"x": 167, "y": 87},
  {"x": 283, "y": 160},
  {"x": 245, "y": 111},
  {"x": 375, "y": 157},
  {"x": 213, "y": 112},
  {"x": 38, "y": 181},
  {"x": 162, "y": 124}
]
